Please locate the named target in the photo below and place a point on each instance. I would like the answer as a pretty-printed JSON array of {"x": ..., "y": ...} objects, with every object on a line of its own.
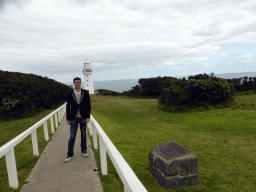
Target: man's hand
[
  {"x": 87, "y": 120},
  {"x": 68, "y": 122}
]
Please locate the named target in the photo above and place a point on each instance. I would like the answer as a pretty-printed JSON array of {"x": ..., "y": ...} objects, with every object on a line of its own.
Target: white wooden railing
[
  {"x": 128, "y": 177},
  {"x": 8, "y": 148}
]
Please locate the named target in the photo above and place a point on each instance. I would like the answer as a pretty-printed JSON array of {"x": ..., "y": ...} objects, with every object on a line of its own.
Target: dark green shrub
[
  {"x": 135, "y": 91},
  {"x": 107, "y": 92},
  {"x": 200, "y": 91},
  {"x": 174, "y": 95},
  {"x": 31, "y": 91}
]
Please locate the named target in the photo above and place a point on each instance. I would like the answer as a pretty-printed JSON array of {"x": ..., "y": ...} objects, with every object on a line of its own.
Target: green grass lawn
[
  {"x": 222, "y": 139},
  {"x": 25, "y": 159}
]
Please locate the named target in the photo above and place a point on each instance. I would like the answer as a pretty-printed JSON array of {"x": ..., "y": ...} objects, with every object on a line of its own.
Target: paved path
[{"x": 51, "y": 173}]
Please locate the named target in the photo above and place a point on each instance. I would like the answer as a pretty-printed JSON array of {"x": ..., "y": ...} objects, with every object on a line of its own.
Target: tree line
[
  {"x": 197, "y": 90},
  {"x": 22, "y": 93},
  {"x": 243, "y": 83}
]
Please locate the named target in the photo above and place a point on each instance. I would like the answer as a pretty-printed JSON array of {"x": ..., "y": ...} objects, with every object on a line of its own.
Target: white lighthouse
[{"x": 88, "y": 85}]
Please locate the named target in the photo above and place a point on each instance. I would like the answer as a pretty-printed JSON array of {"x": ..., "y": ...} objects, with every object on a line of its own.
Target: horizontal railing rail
[
  {"x": 8, "y": 148},
  {"x": 128, "y": 177}
]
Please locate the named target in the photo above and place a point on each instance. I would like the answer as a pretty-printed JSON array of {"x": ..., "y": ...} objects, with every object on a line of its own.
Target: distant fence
[
  {"x": 8, "y": 148},
  {"x": 128, "y": 177}
]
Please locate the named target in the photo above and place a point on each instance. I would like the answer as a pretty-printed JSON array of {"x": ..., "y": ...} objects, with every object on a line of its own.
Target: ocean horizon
[{"x": 126, "y": 84}]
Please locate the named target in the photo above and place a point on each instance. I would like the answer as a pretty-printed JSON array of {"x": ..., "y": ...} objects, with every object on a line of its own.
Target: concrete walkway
[{"x": 51, "y": 173}]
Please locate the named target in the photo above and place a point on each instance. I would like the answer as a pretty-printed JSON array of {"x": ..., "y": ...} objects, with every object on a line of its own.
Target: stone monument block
[{"x": 173, "y": 165}]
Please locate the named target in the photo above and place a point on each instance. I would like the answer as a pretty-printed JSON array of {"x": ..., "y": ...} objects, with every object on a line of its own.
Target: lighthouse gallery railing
[{"x": 126, "y": 174}]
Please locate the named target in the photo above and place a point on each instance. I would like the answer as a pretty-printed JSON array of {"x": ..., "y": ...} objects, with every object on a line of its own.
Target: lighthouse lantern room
[{"x": 88, "y": 84}]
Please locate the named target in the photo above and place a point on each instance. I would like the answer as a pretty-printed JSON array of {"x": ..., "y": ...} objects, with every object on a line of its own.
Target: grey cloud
[
  {"x": 146, "y": 6},
  {"x": 144, "y": 58},
  {"x": 18, "y": 3},
  {"x": 50, "y": 44},
  {"x": 196, "y": 6},
  {"x": 240, "y": 30},
  {"x": 83, "y": 1},
  {"x": 209, "y": 30},
  {"x": 112, "y": 58},
  {"x": 25, "y": 33},
  {"x": 4, "y": 2},
  {"x": 151, "y": 6},
  {"x": 251, "y": 7},
  {"x": 51, "y": 68},
  {"x": 179, "y": 5}
]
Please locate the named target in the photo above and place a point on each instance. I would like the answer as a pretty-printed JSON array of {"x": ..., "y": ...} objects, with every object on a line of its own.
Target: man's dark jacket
[{"x": 84, "y": 106}]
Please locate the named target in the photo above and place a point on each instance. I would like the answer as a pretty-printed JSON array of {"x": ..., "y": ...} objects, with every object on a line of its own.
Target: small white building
[{"x": 88, "y": 84}]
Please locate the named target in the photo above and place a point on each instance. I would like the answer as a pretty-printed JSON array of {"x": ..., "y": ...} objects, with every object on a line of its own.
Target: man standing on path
[{"x": 78, "y": 111}]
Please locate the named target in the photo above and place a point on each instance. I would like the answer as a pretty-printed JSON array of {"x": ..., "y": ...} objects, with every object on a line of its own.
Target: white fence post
[
  {"x": 35, "y": 143},
  {"x": 46, "y": 135},
  {"x": 95, "y": 139},
  {"x": 89, "y": 125},
  {"x": 60, "y": 113},
  {"x": 125, "y": 188},
  {"x": 52, "y": 125},
  {"x": 103, "y": 158},
  {"x": 56, "y": 121},
  {"x": 59, "y": 116},
  {"x": 12, "y": 169}
]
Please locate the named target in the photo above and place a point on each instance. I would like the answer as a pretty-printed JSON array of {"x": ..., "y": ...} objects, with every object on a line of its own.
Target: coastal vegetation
[
  {"x": 220, "y": 130},
  {"x": 198, "y": 92},
  {"x": 222, "y": 138},
  {"x": 25, "y": 94}
]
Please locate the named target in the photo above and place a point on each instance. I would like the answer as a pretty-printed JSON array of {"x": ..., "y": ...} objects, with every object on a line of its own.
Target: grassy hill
[{"x": 222, "y": 139}]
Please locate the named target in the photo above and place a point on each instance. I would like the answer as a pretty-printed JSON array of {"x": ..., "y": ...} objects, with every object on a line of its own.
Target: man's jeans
[{"x": 73, "y": 131}]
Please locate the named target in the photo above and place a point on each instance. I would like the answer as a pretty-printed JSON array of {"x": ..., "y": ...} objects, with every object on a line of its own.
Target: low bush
[
  {"x": 201, "y": 92},
  {"x": 107, "y": 92}
]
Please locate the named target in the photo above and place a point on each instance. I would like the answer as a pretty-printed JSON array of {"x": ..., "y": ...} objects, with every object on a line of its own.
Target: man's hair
[{"x": 76, "y": 78}]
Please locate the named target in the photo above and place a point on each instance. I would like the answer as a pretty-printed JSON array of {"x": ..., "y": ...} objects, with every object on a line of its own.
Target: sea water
[
  {"x": 116, "y": 85},
  {"x": 113, "y": 85},
  {"x": 127, "y": 84}
]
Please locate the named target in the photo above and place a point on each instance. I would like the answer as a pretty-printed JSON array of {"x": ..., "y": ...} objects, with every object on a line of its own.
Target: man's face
[{"x": 77, "y": 84}]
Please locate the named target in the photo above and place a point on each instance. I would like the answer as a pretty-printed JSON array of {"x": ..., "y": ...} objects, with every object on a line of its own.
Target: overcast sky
[{"x": 127, "y": 39}]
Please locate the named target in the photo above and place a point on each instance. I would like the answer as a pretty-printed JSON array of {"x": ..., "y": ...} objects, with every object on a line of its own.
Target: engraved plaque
[{"x": 171, "y": 150}]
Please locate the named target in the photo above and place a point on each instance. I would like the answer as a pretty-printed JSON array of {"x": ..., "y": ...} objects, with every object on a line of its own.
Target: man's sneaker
[
  {"x": 85, "y": 154},
  {"x": 68, "y": 158}
]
